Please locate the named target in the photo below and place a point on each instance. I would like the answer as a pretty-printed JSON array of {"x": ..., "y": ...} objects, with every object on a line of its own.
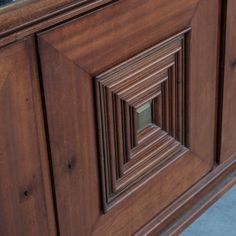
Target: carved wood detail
[
  {"x": 71, "y": 56},
  {"x": 128, "y": 155}
]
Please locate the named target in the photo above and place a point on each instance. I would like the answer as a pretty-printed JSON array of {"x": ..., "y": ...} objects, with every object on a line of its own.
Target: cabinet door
[
  {"x": 228, "y": 138},
  {"x": 25, "y": 195},
  {"x": 130, "y": 98}
]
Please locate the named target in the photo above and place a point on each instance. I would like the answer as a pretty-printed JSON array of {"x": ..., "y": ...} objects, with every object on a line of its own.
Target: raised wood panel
[
  {"x": 128, "y": 156},
  {"x": 26, "y": 206},
  {"x": 83, "y": 56},
  {"x": 228, "y": 144}
]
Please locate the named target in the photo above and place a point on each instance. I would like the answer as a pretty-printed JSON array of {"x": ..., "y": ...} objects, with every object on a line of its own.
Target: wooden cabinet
[
  {"x": 228, "y": 143},
  {"x": 105, "y": 67},
  {"x": 26, "y": 206},
  {"x": 115, "y": 115}
]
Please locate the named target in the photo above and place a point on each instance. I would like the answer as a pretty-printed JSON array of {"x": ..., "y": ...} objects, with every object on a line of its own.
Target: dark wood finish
[
  {"x": 155, "y": 74},
  {"x": 228, "y": 135},
  {"x": 114, "y": 34},
  {"x": 176, "y": 217},
  {"x": 26, "y": 206},
  {"x": 33, "y": 26},
  {"x": 73, "y": 145},
  {"x": 83, "y": 49},
  {"x": 26, "y": 13},
  {"x": 110, "y": 177}
]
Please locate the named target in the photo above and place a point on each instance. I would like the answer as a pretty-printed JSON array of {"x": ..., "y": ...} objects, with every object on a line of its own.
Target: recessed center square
[
  {"x": 141, "y": 117},
  {"x": 144, "y": 116}
]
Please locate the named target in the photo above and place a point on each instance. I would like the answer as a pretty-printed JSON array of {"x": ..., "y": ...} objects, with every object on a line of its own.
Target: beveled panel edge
[{"x": 117, "y": 181}]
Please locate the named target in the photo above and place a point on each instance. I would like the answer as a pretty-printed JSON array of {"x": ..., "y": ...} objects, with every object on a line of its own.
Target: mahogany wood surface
[
  {"x": 94, "y": 172},
  {"x": 157, "y": 76},
  {"x": 72, "y": 56},
  {"x": 181, "y": 213},
  {"x": 21, "y": 13},
  {"x": 47, "y": 20},
  {"x": 26, "y": 206},
  {"x": 228, "y": 135}
]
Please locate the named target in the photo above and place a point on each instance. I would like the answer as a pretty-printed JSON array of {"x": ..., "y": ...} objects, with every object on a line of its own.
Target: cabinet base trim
[{"x": 181, "y": 213}]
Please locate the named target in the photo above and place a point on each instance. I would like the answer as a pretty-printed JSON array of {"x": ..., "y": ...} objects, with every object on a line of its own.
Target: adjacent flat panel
[
  {"x": 25, "y": 190},
  {"x": 228, "y": 142},
  {"x": 94, "y": 67}
]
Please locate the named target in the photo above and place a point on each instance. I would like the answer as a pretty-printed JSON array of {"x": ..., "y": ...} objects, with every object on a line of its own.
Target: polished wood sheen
[
  {"x": 228, "y": 136},
  {"x": 17, "y": 30},
  {"x": 26, "y": 206},
  {"x": 29, "y": 12},
  {"x": 128, "y": 155},
  {"x": 117, "y": 116},
  {"x": 74, "y": 58},
  {"x": 181, "y": 213}
]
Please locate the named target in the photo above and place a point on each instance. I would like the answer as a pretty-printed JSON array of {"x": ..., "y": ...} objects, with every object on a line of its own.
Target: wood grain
[
  {"x": 181, "y": 213},
  {"x": 72, "y": 135},
  {"x": 72, "y": 55},
  {"x": 26, "y": 206},
  {"x": 157, "y": 73},
  {"x": 22, "y": 14},
  {"x": 228, "y": 135},
  {"x": 107, "y": 37},
  {"x": 33, "y": 26}
]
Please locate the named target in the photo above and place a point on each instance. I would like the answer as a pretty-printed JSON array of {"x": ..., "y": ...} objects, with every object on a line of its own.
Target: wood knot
[
  {"x": 26, "y": 193},
  {"x": 234, "y": 63},
  {"x": 71, "y": 164}
]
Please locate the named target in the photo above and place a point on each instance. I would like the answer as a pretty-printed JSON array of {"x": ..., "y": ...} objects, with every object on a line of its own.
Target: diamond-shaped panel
[{"x": 132, "y": 151}]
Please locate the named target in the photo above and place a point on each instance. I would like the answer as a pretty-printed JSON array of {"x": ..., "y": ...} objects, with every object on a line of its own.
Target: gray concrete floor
[{"x": 218, "y": 220}]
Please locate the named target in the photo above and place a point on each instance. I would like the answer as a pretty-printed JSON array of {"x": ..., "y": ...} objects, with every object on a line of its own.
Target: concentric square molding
[{"x": 130, "y": 156}]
